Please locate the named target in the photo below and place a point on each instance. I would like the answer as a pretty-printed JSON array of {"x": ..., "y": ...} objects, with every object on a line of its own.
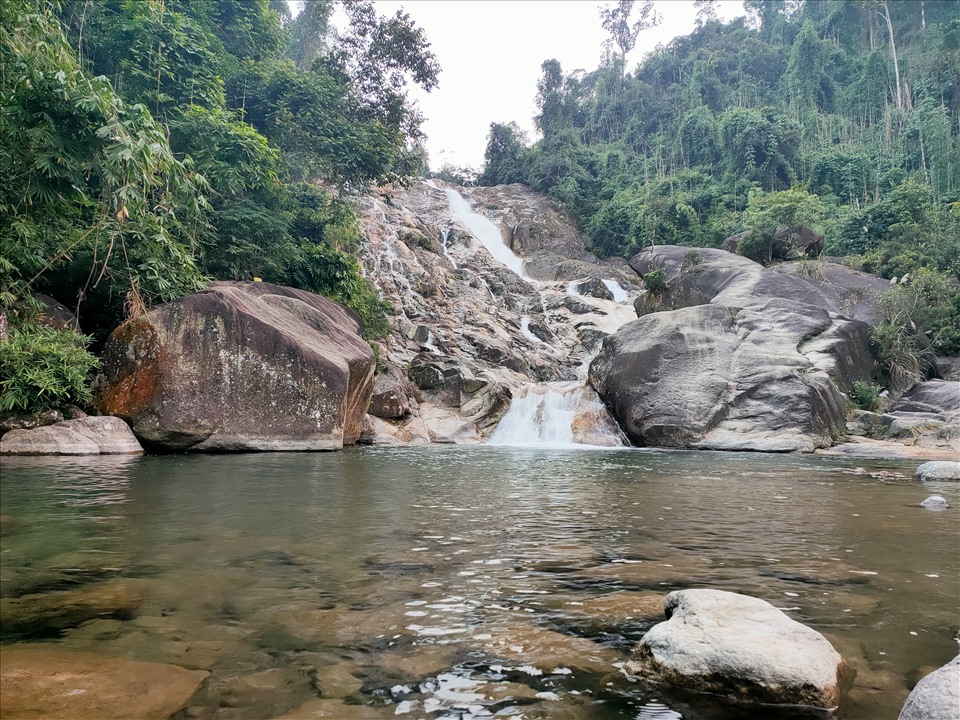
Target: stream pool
[{"x": 470, "y": 582}]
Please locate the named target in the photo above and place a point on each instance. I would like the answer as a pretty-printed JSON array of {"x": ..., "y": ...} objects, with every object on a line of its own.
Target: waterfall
[
  {"x": 444, "y": 237},
  {"x": 619, "y": 294},
  {"x": 525, "y": 331},
  {"x": 557, "y": 415},
  {"x": 483, "y": 229}
]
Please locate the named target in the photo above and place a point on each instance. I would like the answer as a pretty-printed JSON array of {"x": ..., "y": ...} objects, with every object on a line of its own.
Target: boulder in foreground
[
  {"x": 43, "y": 681},
  {"x": 937, "y": 696},
  {"x": 240, "y": 366},
  {"x": 742, "y": 647}
]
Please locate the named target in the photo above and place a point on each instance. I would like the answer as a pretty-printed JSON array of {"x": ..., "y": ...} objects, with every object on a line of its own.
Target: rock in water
[
  {"x": 103, "y": 435},
  {"x": 729, "y": 644},
  {"x": 937, "y": 696},
  {"x": 935, "y": 502},
  {"x": 42, "y": 681},
  {"x": 732, "y": 357},
  {"x": 46, "y": 613},
  {"x": 939, "y": 470},
  {"x": 240, "y": 366}
]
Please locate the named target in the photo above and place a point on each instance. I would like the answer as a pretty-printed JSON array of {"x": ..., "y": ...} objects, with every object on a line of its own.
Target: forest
[
  {"x": 151, "y": 145},
  {"x": 148, "y": 146},
  {"x": 839, "y": 116}
]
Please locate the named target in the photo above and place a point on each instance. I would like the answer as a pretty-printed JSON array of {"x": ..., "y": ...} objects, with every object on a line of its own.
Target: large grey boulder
[
  {"x": 240, "y": 366},
  {"x": 104, "y": 435},
  {"x": 735, "y": 357},
  {"x": 852, "y": 293},
  {"x": 937, "y": 696},
  {"x": 939, "y": 470},
  {"x": 730, "y": 644}
]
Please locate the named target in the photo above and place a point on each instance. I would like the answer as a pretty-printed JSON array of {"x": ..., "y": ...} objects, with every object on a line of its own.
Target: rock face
[
  {"x": 939, "y": 470},
  {"x": 45, "y": 682},
  {"x": 730, "y": 644},
  {"x": 470, "y": 332},
  {"x": 240, "y": 367},
  {"x": 390, "y": 395},
  {"x": 732, "y": 357},
  {"x": 102, "y": 435},
  {"x": 852, "y": 293},
  {"x": 937, "y": 696}
]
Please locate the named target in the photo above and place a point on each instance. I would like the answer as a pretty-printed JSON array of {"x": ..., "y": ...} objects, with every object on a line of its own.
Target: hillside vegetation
[
  {"x": 840, "y": 116},
  {"x": 152, "y": 145}
]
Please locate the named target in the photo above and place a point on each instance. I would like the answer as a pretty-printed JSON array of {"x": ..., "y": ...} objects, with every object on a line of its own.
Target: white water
[
  {"x": 543, "y": 416},
  {"x": 430, "y": 346},
  {"x": 483, "y": 229},
  {"x": 432, "y": 184},
  {"x": 525, "y": 330},
  {"x": 444, "y": 237},
  {"x": 619, "y": 294}
]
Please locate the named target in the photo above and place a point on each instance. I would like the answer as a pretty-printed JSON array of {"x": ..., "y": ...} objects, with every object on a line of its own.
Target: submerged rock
[
  {"x": 937, "y": 696},
  {"x": 729, "y": 644},
  {"x": 939, "y": 470},
  {"x": 46, "y": 682},
  {"x": 47, "y": 613},
  {"x": 935, "y": 502},
  {"x": 240, "y": 366}
]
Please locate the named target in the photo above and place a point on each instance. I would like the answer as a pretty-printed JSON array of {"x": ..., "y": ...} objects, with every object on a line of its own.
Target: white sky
[{"x": 490, "y": 52}]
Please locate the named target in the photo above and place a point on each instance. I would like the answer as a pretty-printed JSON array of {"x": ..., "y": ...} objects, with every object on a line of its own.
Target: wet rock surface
[
  {"x": 730, "y": 644},
  {"x": 240, "y": 366},
  {"x": 47, "y": 682},
  {"x": 47, "y": 613}
]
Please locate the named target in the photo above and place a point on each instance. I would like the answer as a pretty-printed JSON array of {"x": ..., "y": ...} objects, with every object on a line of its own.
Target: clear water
[{"x": 451, "y": 582}]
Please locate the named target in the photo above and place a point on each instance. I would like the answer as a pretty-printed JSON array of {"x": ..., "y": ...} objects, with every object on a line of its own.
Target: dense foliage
[
  {"x": 841, "y": 116},
  {"x": 149, "y": 145}
]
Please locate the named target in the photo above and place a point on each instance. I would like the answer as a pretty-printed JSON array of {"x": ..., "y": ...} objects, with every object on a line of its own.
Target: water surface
[{"x": 459, "y": 582}]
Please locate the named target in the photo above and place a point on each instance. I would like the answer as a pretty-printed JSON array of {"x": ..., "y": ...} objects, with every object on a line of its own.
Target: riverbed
[{"x": 470, "y": 582}]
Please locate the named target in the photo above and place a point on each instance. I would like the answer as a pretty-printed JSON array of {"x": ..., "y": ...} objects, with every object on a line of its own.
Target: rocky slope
[
  {"x": 473, "y": 330},
  {"x": 505, "y": 305}
]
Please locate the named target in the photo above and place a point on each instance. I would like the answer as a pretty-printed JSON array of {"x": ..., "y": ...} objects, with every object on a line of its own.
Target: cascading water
[
  {"x": 444, "y": 237},
  {"x": 545, "y": 416},
  {"x": 619, "y": 294},
  {"x": 526, "y": 332},
  {"x": 483, "y": 229}
]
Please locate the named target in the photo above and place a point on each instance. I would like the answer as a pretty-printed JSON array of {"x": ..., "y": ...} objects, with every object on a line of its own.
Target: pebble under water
[{"x": 474, "y": 582}]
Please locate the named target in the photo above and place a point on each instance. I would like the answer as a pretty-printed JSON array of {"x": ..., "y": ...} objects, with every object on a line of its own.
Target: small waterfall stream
[
  {"x": 483, "y": 229},
  {"x": 547, "y": 414},
  {"x": 544, "y": 415}
]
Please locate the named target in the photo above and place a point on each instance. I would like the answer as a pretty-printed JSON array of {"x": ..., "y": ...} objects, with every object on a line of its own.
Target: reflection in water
[{"x": 468, "y": 582}]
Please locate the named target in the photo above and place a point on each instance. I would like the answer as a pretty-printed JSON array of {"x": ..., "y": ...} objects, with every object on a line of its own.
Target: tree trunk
[{"x": 893, "y": 51}]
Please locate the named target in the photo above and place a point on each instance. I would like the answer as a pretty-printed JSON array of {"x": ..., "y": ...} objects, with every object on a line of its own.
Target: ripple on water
[{"x": 467, "y": 582}]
